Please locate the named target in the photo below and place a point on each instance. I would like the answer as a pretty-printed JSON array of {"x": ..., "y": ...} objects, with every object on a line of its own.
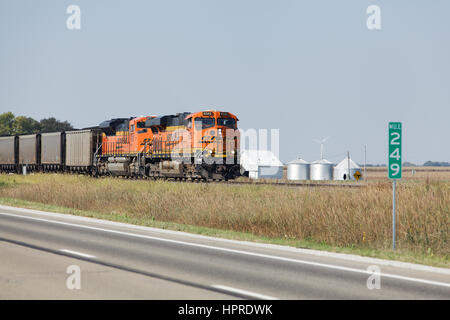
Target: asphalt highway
[{"x": 39, "y": 250}]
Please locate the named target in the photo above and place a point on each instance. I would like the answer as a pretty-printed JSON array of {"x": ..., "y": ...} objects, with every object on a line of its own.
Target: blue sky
[{"x": 308, "y": 68}]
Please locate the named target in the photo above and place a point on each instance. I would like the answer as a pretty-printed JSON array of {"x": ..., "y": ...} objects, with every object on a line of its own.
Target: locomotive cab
[{"x": 214, "y": 136}]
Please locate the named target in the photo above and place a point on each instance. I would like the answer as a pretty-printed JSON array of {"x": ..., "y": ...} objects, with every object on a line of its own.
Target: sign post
[{"x": 395, "y": 165}]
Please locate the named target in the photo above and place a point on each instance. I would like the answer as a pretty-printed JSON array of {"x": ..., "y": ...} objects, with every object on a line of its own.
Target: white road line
[
  {"x": 310, "y": 252},
  {"x": 244, "y": 292},
  {"x": 77, "y": 253},
  {"x": 260, "y": 255}
]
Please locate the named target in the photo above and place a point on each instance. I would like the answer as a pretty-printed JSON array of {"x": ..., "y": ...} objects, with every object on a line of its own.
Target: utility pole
[
  {"x": 365, "y": 158},
  {"x": 348, "y": 162}
]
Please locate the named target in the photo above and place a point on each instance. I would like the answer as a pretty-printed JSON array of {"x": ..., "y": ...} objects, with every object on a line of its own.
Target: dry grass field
[
  {"x": 418, "y": 174},
  {"x": 341, "y": 217}
]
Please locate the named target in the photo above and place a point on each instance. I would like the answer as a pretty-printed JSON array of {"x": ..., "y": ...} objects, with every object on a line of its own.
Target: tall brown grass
[
  {"x": 336, "y": 216},
  {"x": 411, "y": 173}
]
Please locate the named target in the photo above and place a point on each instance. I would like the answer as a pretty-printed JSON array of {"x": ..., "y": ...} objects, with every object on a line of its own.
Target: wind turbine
[{"x": 321, "y": 142}]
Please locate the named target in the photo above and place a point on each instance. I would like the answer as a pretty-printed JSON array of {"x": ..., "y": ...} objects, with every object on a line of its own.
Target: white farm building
[
  {"x": 261, "y": 164},
  {"x": 346, "y": 169}
]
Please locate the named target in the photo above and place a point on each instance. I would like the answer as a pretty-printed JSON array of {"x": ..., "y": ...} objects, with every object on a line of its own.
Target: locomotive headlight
[
  {"x": 233, "y": 152},
  {"x": 210, "y": 151},
  {"x": 219, "y": 131}
]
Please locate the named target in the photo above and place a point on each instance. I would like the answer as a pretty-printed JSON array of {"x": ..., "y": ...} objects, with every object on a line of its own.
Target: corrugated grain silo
[
  {"x": 298, "y": 169},
  {"x": 321, "y": 170}
]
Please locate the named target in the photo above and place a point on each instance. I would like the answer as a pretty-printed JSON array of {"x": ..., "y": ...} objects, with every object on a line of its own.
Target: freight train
[{"x": 202, "y": 145}]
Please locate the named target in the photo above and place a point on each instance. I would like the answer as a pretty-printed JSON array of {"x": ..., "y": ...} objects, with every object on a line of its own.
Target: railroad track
[
  {"x": 249, "y": 182},
  {"x": 295, "y": 184},
  {"x": 274, "y": 183}
]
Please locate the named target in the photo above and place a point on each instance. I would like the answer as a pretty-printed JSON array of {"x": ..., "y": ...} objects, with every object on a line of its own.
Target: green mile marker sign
[
  {"x": 395, "y": 150},
  {"x": 395, "y": 165}
]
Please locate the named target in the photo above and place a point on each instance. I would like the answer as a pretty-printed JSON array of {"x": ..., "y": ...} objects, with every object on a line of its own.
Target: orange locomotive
[{"x": 201, "y": 145}]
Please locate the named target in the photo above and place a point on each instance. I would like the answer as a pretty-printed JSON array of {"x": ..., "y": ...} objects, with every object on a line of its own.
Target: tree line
[
  {"x": 428, "y": 164},
  {"x": 12, "y": 125},
  {"x": 436, "y": 164},
  {"x": 410, "y": 164}
]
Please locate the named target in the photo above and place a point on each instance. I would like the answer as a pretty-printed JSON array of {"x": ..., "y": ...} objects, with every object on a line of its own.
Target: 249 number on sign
[{"x": 395, "y": 150}]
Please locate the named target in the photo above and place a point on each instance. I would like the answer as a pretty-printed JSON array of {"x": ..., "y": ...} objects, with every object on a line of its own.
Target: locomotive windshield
[
  {"x": 203, "y": 123},
  {"x": 227, "y": 122}
]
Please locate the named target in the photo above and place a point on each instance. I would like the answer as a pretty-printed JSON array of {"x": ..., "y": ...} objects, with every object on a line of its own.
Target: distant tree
[
  {"x": 10, "y": 125},
  {"x": 6, "y": 123},
  {"x": 25, "y": 125},
  {"x": 53, "y": 125},
  {"x": 375, "y": 165},
  {"x": 436, "y": 164}
]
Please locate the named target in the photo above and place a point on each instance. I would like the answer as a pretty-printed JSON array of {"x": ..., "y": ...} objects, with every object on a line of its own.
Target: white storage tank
[
  {"x": 346, "y": 169},
  {"x": 298, "y": 169},
  {"x": 321, "y": 170}
]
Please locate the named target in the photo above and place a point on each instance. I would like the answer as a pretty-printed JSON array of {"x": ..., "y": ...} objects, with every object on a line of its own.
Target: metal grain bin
[
  {"x": 79, "y": 148},
  {"x": 8, "y": 150},
  {"x": 321, "y": 170},
  {"x": 52, "y": 151},
  {"x": 29, "y": 150},
  {"x": 298, "y": 169}
]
